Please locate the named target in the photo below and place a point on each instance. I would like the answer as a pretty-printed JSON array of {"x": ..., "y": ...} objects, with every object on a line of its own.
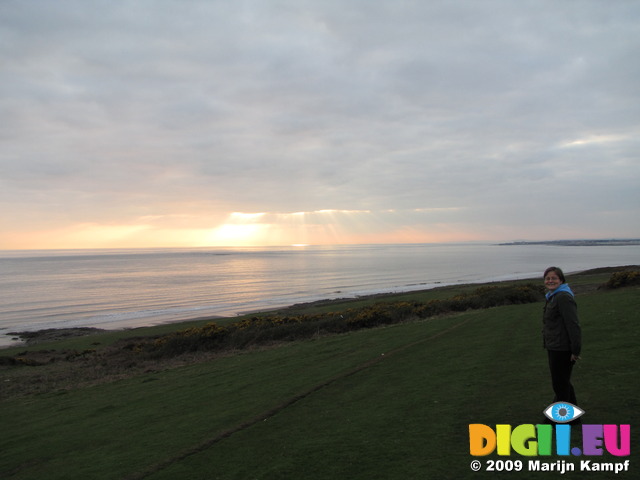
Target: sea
[{"x": 126, "y": 288}]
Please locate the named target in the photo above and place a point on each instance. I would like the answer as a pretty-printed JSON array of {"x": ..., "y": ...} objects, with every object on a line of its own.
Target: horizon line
[{"x": 305, "y": 245}]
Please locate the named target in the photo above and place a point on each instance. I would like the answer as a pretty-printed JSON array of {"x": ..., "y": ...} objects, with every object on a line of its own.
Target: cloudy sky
[{"x": 274, "y": 122}]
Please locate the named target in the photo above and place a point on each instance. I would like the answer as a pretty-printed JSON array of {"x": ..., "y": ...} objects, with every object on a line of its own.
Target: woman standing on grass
[{"x": 561, "y": 334}]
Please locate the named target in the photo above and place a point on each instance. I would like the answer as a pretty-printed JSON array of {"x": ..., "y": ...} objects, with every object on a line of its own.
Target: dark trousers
[{"x": 560, "y": 365}]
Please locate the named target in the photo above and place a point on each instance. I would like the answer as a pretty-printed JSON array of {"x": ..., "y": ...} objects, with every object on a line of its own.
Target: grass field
[{"x": 385, "y": 403}]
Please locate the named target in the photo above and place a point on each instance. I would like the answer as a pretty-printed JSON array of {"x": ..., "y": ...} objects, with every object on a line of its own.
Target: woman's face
[{"x": 552, "y": 281}]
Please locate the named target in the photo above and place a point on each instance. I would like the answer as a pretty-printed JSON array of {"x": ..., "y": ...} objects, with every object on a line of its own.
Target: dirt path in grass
[{"x": 208, "y": 443}]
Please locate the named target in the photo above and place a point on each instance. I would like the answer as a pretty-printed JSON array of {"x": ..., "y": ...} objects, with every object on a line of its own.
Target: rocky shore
[{"x": 51, "y": 334}]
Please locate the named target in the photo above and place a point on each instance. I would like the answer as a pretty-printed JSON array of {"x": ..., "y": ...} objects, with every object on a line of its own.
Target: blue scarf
[{"x": 562, "y": 288}]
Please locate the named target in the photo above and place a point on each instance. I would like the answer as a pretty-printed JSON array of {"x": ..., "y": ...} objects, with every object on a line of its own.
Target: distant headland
[{"x": 581, "y": 243}]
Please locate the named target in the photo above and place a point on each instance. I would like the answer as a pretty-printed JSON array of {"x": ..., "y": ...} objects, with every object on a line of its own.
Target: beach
[
  {"x": 35, "y": 337},
  {"x": 122, "y": 289}
]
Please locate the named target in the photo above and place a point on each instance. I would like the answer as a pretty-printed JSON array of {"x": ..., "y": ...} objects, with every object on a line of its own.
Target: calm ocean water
[{"x": 128, "y": 288}]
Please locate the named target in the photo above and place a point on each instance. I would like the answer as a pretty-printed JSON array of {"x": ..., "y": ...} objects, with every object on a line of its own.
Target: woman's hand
[{"x": 574, "y": 358}]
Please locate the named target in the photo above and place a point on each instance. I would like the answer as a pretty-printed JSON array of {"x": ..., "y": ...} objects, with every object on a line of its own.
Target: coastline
[
  {"x": 614, "y": 242},
  {"x": 26, "y": 337},
  {"x": 29, "y": 338},
  {"x": 129, "y": 290}
]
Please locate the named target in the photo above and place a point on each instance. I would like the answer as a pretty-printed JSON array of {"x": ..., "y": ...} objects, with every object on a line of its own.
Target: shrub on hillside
[
  {"x": 271, "y": 328},
  {"x": 623, "y": 279}
]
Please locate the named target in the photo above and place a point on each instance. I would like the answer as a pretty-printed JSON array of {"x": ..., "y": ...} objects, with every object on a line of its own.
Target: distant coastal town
[{"x": 581, "y": 243}]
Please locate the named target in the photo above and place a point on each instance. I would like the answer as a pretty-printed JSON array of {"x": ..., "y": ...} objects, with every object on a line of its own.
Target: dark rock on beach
[{"x": 51, "y": 334}]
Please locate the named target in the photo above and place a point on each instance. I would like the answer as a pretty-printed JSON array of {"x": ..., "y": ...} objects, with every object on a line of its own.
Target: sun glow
[
  {"x": 326, "y": 227},
  {"x": 318, "y": 227},
  {"x": 239, "y": 235},
  {"x": 261, "y": 229},
  {"x": 594, "y": 139}
]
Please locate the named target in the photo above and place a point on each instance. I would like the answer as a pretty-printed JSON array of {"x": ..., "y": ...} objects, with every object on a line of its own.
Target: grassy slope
[{"x": 332, "y": 407}]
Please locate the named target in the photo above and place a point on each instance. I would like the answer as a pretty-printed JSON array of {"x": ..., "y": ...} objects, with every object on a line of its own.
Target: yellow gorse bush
[
  {"x": 623, "y": 279},
  {"x": 262, "y": 329}
]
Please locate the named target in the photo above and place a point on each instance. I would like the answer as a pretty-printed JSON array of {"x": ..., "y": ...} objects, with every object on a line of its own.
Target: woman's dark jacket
[{"x": 561, "y": 329}]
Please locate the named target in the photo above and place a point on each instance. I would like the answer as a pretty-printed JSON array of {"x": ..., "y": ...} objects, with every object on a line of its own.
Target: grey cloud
[{"x": 307, "y": 105}]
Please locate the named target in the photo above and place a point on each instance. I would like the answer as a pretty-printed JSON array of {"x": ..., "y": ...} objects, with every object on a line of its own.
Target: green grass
[{"x": 332, "y": 407}]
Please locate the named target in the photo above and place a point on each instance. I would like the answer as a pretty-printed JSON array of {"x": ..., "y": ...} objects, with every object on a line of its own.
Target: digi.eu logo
[{"x": 563, "y": 412}]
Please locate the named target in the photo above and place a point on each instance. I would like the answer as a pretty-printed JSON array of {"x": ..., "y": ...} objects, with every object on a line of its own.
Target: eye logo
[{"x": 563, "y": 412}]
